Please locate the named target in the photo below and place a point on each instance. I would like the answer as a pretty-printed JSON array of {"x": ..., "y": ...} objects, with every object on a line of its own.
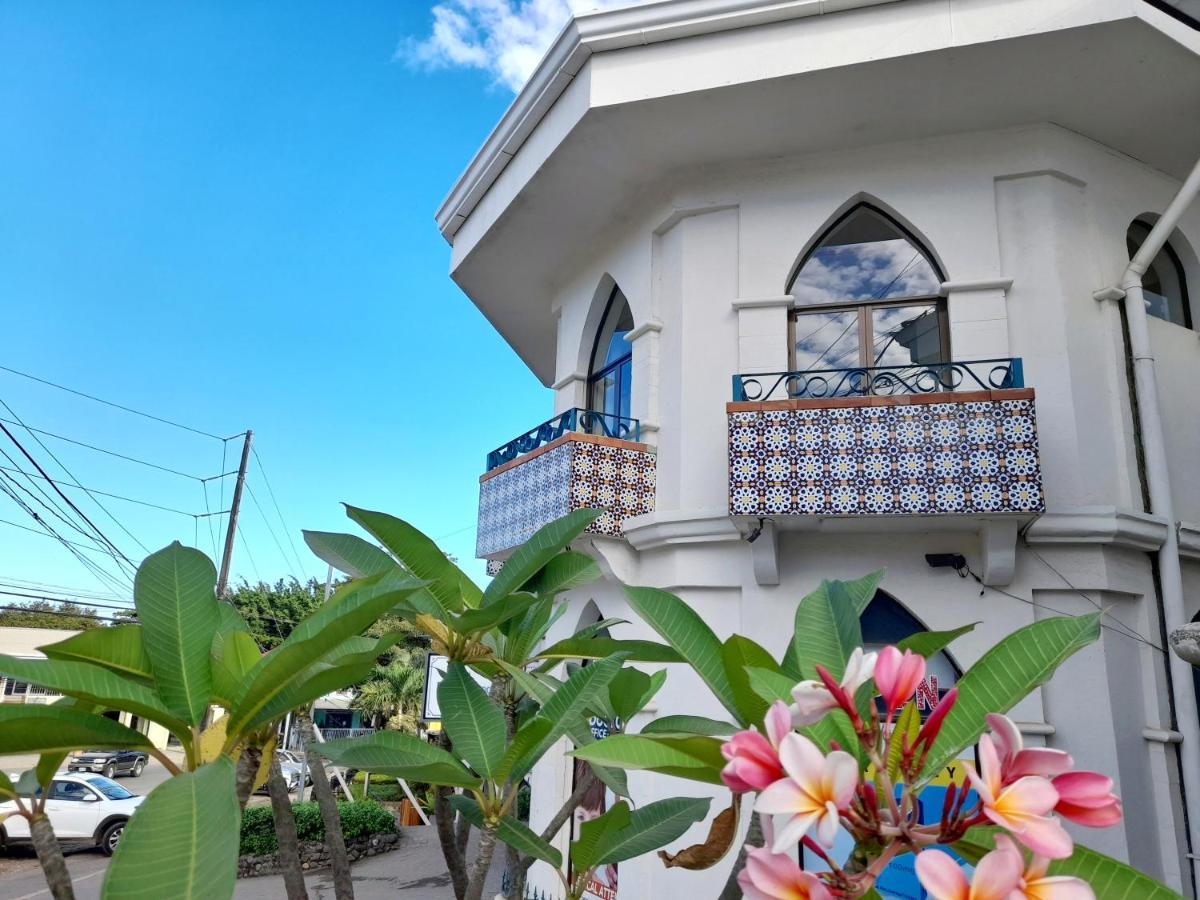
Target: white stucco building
[{"x": 692, "y": 198}]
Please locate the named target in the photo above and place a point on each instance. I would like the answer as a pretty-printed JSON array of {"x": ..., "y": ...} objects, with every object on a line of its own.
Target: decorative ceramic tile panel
[
  {"x": 574, "y": 472},
  {"x": 936, "y": 454}
]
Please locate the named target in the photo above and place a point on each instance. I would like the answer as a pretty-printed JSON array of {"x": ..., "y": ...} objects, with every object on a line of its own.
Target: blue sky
[{"x": 221, "y": 213}]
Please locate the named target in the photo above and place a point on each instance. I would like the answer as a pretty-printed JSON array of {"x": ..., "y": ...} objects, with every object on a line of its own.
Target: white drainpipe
[{"x": 1158, "y": 482}]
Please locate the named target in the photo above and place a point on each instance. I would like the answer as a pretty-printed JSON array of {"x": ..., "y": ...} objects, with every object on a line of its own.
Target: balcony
[
  {"x": 579, "y": 459},
  {"x": 950, "y": 439}
]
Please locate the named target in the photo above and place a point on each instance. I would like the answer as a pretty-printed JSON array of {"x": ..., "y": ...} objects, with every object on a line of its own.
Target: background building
[{"x": 823, "y": 273}]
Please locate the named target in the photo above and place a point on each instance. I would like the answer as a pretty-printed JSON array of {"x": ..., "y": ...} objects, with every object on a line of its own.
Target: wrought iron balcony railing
[
  {"x": 587, "y": 421},
  {"x": 883, "y": 381}
]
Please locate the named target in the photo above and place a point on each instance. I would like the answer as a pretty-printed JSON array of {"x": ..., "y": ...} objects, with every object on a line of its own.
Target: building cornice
[
  {"x": 658, "y": 529},
  {"x": 595, "y": 33},
  {"x": 785, "y": 301},
  {"x": 1099, "y": 525}
]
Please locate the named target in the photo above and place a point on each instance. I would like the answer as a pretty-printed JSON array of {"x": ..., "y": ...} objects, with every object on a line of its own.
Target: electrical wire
[
  {"x": 270, "y": 529},
  {"x": 169, "y": 509},
  {"x": 70, "y": 475},
  {"x": 1123, "y": 630},
  {"x": 128, "y": 409},
  {"x": 282, "y": 522},
  {"x": 67, "y": 615},
  {"x": 87, "y": 547}
]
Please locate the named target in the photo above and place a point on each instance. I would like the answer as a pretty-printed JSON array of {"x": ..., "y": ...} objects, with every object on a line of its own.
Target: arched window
[
  {"x": 866, "y": 295},
  {"x": 612, "y": 360},
  {"x": 1163, "y": 283}
]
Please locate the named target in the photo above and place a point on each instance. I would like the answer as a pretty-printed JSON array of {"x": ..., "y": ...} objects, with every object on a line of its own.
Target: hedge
[{"x": 359, "y": 819}]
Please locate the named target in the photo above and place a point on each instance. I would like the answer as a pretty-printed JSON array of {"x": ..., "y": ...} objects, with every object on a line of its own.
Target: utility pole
[{"x": 234, "y": 507}]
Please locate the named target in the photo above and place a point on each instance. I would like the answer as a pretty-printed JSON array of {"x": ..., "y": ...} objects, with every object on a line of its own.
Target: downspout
[{"x": 1158, "y": 484}]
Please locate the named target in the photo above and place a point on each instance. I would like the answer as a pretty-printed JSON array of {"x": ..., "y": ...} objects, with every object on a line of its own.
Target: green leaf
[
  {"x": 1005, "y": 674},
  {"x": 625, "y": 693},
  {"x": 686, "y": 725},
  {"x": 907, "y": 726},
  {"x": 360, "y": 604},
  {"x": 118, "y": 648},
  {"x": 929, "y": 643},
  {"x": 566, "y": 708},
  {"x": 97, "y": 686},
  {"x": 524, "y": 633},
  {"x": 474, "y": 621},
  {"x": 475, "y": 724},
  {"x": 182, "y": 842},
  {"x": 594, "y": 831},
  {"x": 683, "y": 628},
  {"x": 697, "y": 758},
  {"x": 60, "y": 728},
  {"x": 528, "y": 559},
  {"x": 739, "y": 653},
  {"x": 7, "y": 788},
  {"x": 603, "y": 647},
  {"x": 422, "y": 557},
  {"x": 567, "y": 570},
  {"x": 399, "y": 756},
  {"x": 528, "y": 738},
  {"x": 509, "y": 830},
  {"x": 234, "y": 655},
  {"x": 827, "y": 628},
  {"x": 348, "y": 553},
  {"x": 1108, "y": 878},
  {"x": 173, "y": 593},
  {"x": 650, "y": 827},
  {"x": 770, "y": 684}
]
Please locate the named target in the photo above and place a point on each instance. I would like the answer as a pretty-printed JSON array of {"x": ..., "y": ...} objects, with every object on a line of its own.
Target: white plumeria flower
[{"x": 813, "y": 700}]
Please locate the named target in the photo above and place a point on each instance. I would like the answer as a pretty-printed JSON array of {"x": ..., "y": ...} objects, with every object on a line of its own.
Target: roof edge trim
[{"x": 598, "y": 32}]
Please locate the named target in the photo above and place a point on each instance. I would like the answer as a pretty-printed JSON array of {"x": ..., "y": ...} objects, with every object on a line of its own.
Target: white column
[
  {"x": 978, "y": 319},
  {"x": 763, "y": 333},
  {"x": 646, "y": 344}
]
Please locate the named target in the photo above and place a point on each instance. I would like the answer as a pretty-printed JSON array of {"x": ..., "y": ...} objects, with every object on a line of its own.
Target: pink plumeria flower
[
  {"x": 996, "y": 877},
  {"x": 897, "y": 676},
  {"x": 754, "y": 759},
  {"x": 1086, "y": 798},
  {"x": 817, "y": 788},
  {"x": 1021, "y": 807},
  {"x": 1017, "y": 760},
  {"x": 776, "y": 876},
  {"x": 1035, "y": 885},
  {"x": 814, "y": 699}
]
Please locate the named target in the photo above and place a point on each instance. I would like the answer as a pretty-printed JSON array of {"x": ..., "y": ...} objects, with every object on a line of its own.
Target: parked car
[
  {"x": 289, "y": 767},
  {"x": 109, "y": 763},
  {"x": 84, "y": 809}
]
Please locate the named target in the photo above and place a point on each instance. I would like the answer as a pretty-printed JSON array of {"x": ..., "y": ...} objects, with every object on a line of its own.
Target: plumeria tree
[{"x": 829, "y": 740}]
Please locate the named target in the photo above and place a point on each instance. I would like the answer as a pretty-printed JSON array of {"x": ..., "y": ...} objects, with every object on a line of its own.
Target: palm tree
[{"x": 392, "y": 694}]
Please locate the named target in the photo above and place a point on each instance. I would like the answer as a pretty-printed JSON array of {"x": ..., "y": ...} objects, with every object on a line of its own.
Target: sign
[
  {"x": 603, "y": 883},
  {"x": 435, "y": 670}
]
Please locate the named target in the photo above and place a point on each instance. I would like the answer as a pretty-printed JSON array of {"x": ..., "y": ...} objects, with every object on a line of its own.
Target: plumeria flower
[
  {"x": 897, "y": 676},
  {"x": 817, "y": 788},
  {"x": 754, "y": 759},
  {"x": 1034, "y": 885},
  {"x": 814, "y": 699},
  {"x": 776, "y": 876},
  {"x": 1086, "y": 798},
  {"x": 1020, "y": 807},
  {"x": 1016, "y": 760},
  {"x": 996, "y": 877}
]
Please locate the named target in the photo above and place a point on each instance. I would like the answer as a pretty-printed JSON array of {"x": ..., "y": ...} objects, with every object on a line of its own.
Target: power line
[
  {"x": 133, "y": 459},
  {"x": 70, "y": 475},
  {"x": 169, "y": 509},
  {"x": 25, "y": 584},
  {"x": 87, "y": 547},
  {"x": 128, "y": 409},
  {"x": 271, "y": 491},
  {"x": 270, "y": 530},
  {"x": 67, "y": 615}
]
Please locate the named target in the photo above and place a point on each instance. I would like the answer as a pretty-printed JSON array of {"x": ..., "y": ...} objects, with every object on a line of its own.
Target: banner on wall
[
  {"x": 603, "y": 883},
  {"x": 435, "y": 671}
]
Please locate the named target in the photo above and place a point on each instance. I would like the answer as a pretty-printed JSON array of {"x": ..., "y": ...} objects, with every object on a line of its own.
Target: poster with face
[{"x": 603, "y": 883}]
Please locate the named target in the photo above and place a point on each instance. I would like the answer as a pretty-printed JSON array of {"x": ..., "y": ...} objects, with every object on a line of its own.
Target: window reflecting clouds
[{"x": 865, "y": 264}]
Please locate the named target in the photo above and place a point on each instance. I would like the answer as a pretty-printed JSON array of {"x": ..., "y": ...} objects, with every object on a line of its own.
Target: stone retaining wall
[{"x": 314, "y": 855}]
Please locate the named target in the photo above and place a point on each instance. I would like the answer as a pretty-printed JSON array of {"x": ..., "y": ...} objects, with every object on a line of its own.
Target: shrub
[{"x": 359, "y": 819}]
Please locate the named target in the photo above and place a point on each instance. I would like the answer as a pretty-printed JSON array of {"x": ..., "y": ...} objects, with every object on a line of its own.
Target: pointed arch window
[
  {"x": 867, "y": 295},
  {"x": 611, "y": 375},
  {"x": 1163, "y": 284}
]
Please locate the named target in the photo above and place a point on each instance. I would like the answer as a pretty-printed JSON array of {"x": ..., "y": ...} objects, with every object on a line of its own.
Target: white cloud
[{"x": 506, "y": 38}]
